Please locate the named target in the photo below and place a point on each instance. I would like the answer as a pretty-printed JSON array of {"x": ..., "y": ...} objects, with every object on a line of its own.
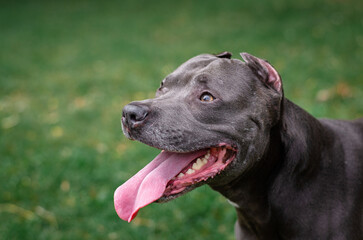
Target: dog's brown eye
[{"x": 206, "y": 97}]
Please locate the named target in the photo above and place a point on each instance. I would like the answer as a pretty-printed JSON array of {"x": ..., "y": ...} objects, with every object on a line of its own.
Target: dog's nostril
[
  {"x": 135, "y": 114},
  {"x": 136, "y": 118},
  {"x": 132, "y": 117}
]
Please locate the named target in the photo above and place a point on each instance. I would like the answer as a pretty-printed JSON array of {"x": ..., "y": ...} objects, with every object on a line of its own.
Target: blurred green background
[{"x": 68, "y": 67}]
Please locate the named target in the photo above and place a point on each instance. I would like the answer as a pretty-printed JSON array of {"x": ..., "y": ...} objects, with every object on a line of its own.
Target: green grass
[{"x": 68, "y": 67}]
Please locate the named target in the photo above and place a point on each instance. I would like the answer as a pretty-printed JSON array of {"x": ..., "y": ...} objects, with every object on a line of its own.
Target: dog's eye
[
  {"x": 161, "y": 88},
  {"x": 206, "y": 97}
]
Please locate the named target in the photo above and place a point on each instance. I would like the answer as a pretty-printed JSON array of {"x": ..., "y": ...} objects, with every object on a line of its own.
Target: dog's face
[{"x": 215, "y": 103}]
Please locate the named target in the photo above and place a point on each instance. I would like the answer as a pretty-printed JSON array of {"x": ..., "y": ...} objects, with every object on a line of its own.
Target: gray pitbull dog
[{"x": 226, "y": 123}]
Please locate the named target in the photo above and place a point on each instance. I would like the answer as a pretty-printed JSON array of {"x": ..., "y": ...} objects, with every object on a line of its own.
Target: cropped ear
[
  {"x": 224, "y": 55},
  {"x": 264, "y": 71}
]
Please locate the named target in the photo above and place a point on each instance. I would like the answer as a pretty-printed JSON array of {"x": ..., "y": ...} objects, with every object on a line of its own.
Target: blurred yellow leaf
[
  {"x": 57, "y": 132},
  {"x": 323, "y": 95},
  {"x": 80, "y": 102},
  {"x": 343, "y": 90},
  {"x": 10, "y": 121},
  {"x": 65, "y": 186}
]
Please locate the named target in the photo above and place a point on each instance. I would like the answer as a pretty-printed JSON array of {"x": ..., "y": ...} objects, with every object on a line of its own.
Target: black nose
[{"x": 134, "y": 115}]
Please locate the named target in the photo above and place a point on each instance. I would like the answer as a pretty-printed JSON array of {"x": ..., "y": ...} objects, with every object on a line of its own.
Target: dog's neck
[{"x": 289, "y": 151}]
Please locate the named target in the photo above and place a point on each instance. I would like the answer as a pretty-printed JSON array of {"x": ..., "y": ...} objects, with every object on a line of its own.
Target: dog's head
[{"x": 211, "y": 117}]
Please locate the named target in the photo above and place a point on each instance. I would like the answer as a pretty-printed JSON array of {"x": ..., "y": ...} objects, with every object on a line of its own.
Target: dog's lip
[
  {"x": 204, "y": 175},
  {"x": 227, "y": 145}
]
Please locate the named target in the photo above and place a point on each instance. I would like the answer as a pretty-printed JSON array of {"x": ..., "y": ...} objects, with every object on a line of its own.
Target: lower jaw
[{"x": 178, "y": 187}]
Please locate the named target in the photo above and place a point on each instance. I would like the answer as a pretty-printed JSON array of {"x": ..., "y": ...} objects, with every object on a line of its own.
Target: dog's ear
[
  {"x": 224, "y": 55},
  {"x": 264, "y": 71}
]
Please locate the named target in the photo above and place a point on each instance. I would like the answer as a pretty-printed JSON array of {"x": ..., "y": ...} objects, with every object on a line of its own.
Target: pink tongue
[{"x": 149, "y": 183}]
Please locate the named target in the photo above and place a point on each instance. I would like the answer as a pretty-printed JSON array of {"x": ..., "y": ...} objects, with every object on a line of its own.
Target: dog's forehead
[
  {"x": 202, "y": 65},
  {"x": 196, "y": 63}
]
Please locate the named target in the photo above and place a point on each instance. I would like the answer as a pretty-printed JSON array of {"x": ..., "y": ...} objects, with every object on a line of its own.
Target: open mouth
[
  {"x": 201, "y": 169},
  {"x": 170, "y": 175}
]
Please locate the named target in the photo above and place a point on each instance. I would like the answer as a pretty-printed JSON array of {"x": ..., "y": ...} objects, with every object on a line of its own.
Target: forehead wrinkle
[
  {"x": 186, "y": 72},
  {"x": 202, "y": 78}
]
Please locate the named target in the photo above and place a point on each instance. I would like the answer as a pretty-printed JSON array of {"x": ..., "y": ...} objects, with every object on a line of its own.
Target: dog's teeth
[
  {"x": 195, "y": 166},
  {"x": 198, "y": 164},
  {"x": 207, "y": 155}
]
